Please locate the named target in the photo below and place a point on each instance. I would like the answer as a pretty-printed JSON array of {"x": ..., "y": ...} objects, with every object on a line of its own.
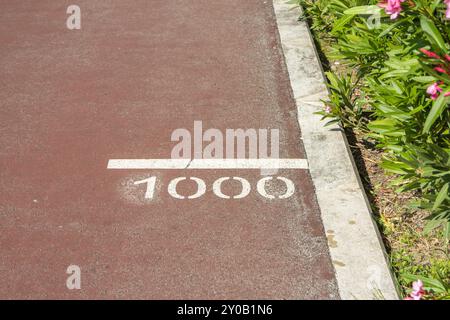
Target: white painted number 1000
[{"x": 217, "y": 188}]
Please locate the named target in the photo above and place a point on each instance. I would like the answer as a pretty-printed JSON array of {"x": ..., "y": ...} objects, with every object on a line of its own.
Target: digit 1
[{"x": 151, "y": 182}]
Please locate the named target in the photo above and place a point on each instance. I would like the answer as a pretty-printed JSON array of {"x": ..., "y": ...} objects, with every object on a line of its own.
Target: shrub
[
  {"x": 399, "y": 89},
  {"x": 392, "y": 85}
]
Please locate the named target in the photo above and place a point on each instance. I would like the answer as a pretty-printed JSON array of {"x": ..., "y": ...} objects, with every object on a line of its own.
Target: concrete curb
[{"x": 358, "y": 255}]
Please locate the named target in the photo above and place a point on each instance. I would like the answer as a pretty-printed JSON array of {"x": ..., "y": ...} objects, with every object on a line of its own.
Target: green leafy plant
[
  {"x": 394, "y": 87},
  {"x": 438, "y": 286}
]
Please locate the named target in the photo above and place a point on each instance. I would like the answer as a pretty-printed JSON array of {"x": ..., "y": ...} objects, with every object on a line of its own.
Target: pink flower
[
  {"x": 433, "y": 90},
  {"x": 430, "y": 54},
  {"x": 447, "y": 12},
  {"x": 440, "y": 69},
  {"x": 418, "y": 290},
  {"x": 447, "y": 94},
  {"x": 447, "y": 57},
  {"x": 328, "y": 109},
  {"x": 392, "y": 7}
]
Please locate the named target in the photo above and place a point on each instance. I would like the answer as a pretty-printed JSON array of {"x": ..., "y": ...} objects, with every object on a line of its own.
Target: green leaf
[
  {"x": 430, "y": 29},
  {"x": 433, "y": 224},
  {"x": 341, "y": 22},
  {"x": 363, "y": 10},
  {"x": 394, "y": 167},
  {"x": 394, "y": 147},
  {"x": 340, "y": 4},
  {"x": 447, "y": 231},
  {"x": 436, "y": 110},
  {"x": 428, "y": 283},
  {"x": 435, "y": 4},
  {"x": 424, "y": 79},
  {"x": 329, "y": 123},
  {"x": 441, "y": 196},
  {"x": 385, "y": 126},
  {"x": 392, "y": 27},
  {"x": 333, "y": 79}
]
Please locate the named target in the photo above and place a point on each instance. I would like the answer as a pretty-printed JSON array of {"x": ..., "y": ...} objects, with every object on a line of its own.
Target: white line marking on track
[{"x": 208, "y": 164}]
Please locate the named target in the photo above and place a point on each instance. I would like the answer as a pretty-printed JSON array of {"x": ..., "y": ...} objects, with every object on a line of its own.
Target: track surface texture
[{"x": 71, "y": 100}]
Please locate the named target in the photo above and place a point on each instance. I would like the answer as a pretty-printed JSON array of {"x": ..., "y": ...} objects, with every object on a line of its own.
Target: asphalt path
[{"x": 80, "y": 110}]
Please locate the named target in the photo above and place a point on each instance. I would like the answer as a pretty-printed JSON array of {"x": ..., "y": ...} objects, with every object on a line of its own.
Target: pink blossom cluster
[
  {"x": 394, "y": 7},
  {"x": 417, "y": 292},
  {"x": 447, "y": 12},
  {"x": 434, "y": 89}
]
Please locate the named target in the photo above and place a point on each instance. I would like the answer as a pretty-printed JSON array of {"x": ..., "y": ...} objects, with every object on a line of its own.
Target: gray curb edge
[{"x": 356, "y": 249}]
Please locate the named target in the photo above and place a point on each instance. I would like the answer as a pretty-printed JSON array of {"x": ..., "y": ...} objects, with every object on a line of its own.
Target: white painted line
[{"x": 208, "y": 164}]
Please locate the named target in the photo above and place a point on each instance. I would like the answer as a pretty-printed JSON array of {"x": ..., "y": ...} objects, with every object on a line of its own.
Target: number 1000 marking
[{"x": 217, "y": 188}]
